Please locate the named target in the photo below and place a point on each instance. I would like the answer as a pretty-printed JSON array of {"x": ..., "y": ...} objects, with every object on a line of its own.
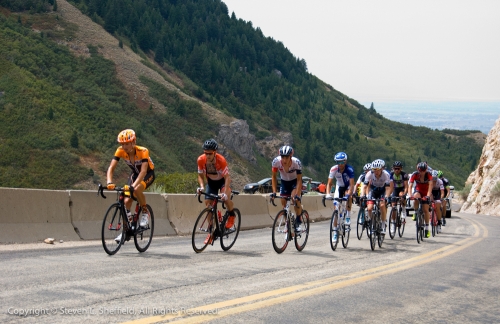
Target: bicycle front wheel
[
  {"x": 144, "y": 235},
  {"x": 417, "y": 226},
  {"x": 280, "y": 232},
  {"x": 401, "y": 223},
  {"x": 113, "y": 229},
  {"x": 303, "y": 233},
  {"x": 380, "y": 236},
  {"x": 434, "y": 222},
  {"x": 360, "y": 224},
  {"x": 230, "y": 233},
  {"x": 373, "y": 231},
  {"x": 202, "y": 231},
  {"x": 333, "y": 229},
  {"x": 393, "y": 222}
]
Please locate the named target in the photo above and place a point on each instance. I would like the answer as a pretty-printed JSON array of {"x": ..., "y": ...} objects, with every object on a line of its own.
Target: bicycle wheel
[
  {"x": 393, "y": 222},
  {"x": 144, "y": 235},
  {"x": 302, "y": 235},
  {"x": 422, "y": 226},
  {"x": 345, "y": 235},
  {"x": 433, "y": 223},
  {"x": 360, "y": 224},
  {"x": 373, "y": 231},
  {"x": 113, "y": 226},
  {"x": 280, "y": 232},
  {"x": 229, "y": 235},
  {"x": 401, "y": 223},
  {"x": 380, "y": 236},
  {"x": 333, "y": 243},
  {"x": 202, "y": 230}
]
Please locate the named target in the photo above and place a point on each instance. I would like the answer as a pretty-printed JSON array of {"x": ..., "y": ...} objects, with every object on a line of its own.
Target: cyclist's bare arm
[{"x": 111, "y": 170}]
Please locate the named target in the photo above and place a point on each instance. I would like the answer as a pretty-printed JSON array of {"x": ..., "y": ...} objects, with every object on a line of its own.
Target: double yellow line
[{"x": 278, "y": 296}]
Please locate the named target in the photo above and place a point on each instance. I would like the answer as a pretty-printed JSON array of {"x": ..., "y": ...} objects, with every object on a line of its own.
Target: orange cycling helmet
[{"x": 126, "y": 136}]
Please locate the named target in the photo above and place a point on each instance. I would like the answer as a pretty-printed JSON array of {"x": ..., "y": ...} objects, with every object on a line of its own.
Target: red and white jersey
[{"x": 295, "y": 168}]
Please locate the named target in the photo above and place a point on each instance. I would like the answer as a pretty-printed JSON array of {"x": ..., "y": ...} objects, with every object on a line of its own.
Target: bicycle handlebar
[
  {"x": 100, "y": 190},
  {"x": 287, "y": 198},
  {"x": 333, "y": 198},
  {"x": 216, "y": 197}
]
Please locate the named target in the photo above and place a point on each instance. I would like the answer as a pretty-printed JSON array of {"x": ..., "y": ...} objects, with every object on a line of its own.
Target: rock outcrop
[
  {"x": 236, "y": 137},
  {"x": 484, "y": 196}
]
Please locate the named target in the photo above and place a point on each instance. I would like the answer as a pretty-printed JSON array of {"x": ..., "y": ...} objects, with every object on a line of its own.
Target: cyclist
[
  {"x": 142, "y": 176},
  {"x": 359, "y": 182},
  {"x": 437, "y": 195},
  {"x": 343, "y": 174},
  {"x": 399, "y": 180},
  {"x": 212, "y": 169},
  {"x": 290, "y": 169},
  {"x": 447, "y": 191},
  {"x": 377, "y": 184},
  {"x": 423, "y": 189}
]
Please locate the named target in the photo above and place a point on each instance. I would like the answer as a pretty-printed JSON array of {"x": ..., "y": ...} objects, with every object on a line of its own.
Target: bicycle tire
[
  {"x": 360, "y": 227},
  {"x": 401, "y": 223},
  {"x": 113, "y": 225},
  {"x": 345, "y": 235},
  {"x": 144, "y": 236},
  {"x": 202, "y": 227},
  {"x": 380, "y": 236},
  {"x": 433, "y": 222},
  {"x": 393, "y": 222},
  {"x": 422, "y": 226},
  {"x": 229, "y": 235},
  {"x": 333, "y": 244},
  {"x": 373, "y": 230},
  {"x": 302, "y": 235},
  {"x": 281, "y": 232}
]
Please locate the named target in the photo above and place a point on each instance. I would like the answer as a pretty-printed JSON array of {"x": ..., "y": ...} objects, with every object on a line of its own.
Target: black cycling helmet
[
  {"x": 210, "y": 144},
  {"x": 397, "y": 164},
  {"x": 286, "y": 150},
  {"x": 422, "y": 166}
]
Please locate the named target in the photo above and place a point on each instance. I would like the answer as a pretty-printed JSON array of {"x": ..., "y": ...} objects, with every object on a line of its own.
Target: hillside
[{"x": 77, "y": 81}]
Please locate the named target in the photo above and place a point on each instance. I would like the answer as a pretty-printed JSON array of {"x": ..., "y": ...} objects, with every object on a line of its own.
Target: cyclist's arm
[
  {"x": 201, "y": 180},
  {"x": 351, "y": 187},
  {"x": 299, "y": 185},
  {"x": 411, "y": 188},
  {"x": 405, "y": 192},
  {"x": 274, "y": 181},
  {"x": 227, "y": 185},
  {"x": 329, "y": 186},
  {"x": 111, "y": 170}
]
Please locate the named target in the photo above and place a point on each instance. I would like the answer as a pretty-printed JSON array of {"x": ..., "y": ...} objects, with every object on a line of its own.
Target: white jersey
[
  {"x": 438, "y": 185},
  {"x": 383, "y": 181},
  {"x": 295, "y": 168}
]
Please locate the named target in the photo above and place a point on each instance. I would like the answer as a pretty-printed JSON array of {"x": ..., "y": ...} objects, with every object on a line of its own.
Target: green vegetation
[{"x": 56, "y": 107}]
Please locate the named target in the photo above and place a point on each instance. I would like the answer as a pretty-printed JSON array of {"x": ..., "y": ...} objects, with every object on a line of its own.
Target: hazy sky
[{"x": 383, "y": 50}]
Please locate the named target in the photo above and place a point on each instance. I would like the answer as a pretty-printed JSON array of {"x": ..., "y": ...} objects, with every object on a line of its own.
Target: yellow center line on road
[{"x": 273, "y": 297}]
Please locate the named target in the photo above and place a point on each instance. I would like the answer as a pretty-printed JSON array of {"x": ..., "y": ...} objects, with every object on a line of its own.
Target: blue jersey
[{"x": 343, "y": 178}]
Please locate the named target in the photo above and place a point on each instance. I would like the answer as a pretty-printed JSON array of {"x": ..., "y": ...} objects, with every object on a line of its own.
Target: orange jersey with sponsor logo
[
  {"x": 215, "y": 171},
  {"x": 141, "y": 155}
]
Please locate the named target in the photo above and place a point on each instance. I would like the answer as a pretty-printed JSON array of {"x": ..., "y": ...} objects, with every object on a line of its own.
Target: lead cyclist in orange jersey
[{"x": 142, "y": 176}]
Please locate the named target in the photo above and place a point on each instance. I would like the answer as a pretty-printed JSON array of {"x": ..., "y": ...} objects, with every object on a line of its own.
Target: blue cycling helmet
[{"x": 340, "y": 156}]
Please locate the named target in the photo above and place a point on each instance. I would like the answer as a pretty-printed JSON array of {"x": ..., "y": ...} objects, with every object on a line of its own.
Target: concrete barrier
[
  {"x": 32, "y": 215},
  {"x": 88, "y": 209},
  {"x": 254, "y": 211},
  {"x": 183, "y": 210}
]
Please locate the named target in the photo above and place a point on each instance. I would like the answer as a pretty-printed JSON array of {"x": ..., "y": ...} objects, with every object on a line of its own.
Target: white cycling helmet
[{"x": 378, "y": 164}]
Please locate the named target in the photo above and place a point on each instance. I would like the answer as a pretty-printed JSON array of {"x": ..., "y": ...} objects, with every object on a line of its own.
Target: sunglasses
[
  {"x": 209, "y": 153},
  {"x": 377, "y": 169},
  {"x": 285, "y": 156},
  {"x": 341, "y": 162},
  {"x": 397, "y": 169}
]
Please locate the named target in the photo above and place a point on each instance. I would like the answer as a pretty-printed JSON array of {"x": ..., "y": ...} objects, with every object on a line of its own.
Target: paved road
[{"x": 454, "y": 277}]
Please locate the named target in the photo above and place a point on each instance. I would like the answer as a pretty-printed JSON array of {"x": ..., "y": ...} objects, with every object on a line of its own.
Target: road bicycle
[
  {"x": 342, "y": 229},
  {"x": 363, "y": 223},
  {"x": 396, "y": 220},
  {"x": 211, "y": 225},
  {"x": 283, "y": 224},
  {"x": 117, "y": 228},
  {"x": 419, "y": 220},
  {"x": 375, "y": 233}
]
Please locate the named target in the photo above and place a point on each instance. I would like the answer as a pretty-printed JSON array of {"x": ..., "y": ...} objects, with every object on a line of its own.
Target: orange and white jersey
[
  {"x": 141, "y": 155},
  {"x": 213, "y": 171}
]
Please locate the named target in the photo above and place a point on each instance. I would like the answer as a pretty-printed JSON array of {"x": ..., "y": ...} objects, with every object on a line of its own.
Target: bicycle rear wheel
[
  {"x": 333, "y": 229},
  {"x": 229, "y": 235},
  {"x": 401, "y": 223},
  {"x": 280, "y": 232},
  {"x": 302, "y": 235},
  {"x": 202, "y": 230},
  {"x": 113, "y": 227},
  {"x": 393, "y": 222},
  {"x": 360, "y": 224},
  {"x": 144, "y": 235}
]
